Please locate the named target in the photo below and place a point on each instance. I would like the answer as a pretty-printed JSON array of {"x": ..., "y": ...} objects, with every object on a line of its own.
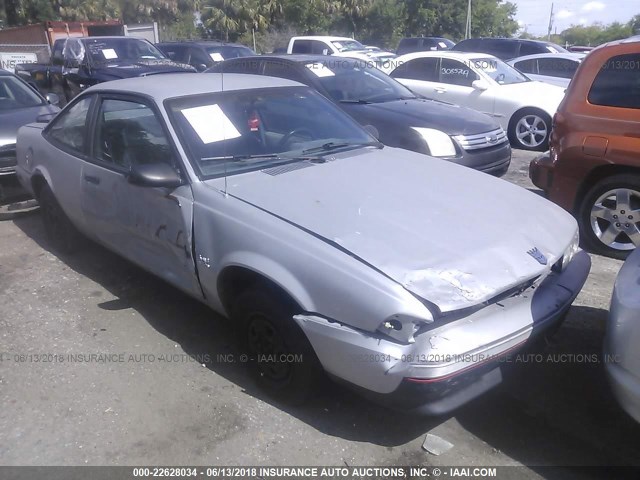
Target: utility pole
[
  {"x": 467, "y": 31},
  {"x": 550, "y": 23}
]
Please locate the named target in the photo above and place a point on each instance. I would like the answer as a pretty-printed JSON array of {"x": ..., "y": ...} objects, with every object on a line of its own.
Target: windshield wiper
[
  {"x": 360, "y": 101},
  {"x": 327, "y": 147},
  {"x": 244, "y": 158}
]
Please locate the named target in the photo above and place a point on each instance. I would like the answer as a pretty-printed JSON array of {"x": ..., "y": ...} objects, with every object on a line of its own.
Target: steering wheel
[{"x": 295, "y": 132}]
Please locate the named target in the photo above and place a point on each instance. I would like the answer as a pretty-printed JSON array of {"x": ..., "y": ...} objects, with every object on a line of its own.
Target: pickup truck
[
  {"x": 336, "y": 46},
  {"x": 78, "y": 63}
]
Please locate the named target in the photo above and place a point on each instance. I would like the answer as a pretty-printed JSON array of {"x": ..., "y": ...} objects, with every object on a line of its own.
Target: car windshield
[
  {"x": 233, "y": 132},
  {"x": 499, "y": 71},
  {"x": 224, "y": 52},
  {"x": 348, "y": 45},
  {"x": 15, "y": 94},
  {"x": 357, "y": 82},
  {"x": 121, "y": 49}
]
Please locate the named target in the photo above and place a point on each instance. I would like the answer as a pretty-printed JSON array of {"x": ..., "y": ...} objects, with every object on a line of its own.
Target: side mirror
[
  {"x": 45, "y": 117},
  {"x": 373, "y": 131},
  {"x": 53, "y": 99},
  {"x": 481, "y": 85},
  {"x": 155, "y": 175},
  {"x": 201, "y": 67}
]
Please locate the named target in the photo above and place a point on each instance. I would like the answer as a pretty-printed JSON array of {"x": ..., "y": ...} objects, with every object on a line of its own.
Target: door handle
[
  {"x": 92, "y": 179},
  {"x": 440, "y": 90}
]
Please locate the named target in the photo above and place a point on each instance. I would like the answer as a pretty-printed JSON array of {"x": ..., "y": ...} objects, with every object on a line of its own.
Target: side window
[
  {"x": 560, "y": 67},
  {"x": 198, "y": 58},
  {"x": 418, "y": 69},
  {"x": 618, "y": 83},
  {"x": 503, "y": 49},
  {"x": 283, "y": 70},
  {"x": 527, "y": 66},
  {"x": 73, "y": 53},
  {"x": 301, "y": 46},
  {"x": 454, "y": 72},
  {"x": 56, "y": 55},
  {"x": 176, "y": 53},
  {"x": 320, "y": 48},
  {"x": 129, "y": 133},
  {"x": 529, "y": 49},
  {"x": 69, "y": 129}
]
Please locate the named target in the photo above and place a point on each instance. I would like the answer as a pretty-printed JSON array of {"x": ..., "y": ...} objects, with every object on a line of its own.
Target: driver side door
[{"x": 151, "y": 226}]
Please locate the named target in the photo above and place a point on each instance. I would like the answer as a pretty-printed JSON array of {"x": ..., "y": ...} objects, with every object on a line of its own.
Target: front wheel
[
  {"x": 280, "y": 355},
  {"x": 529, "y": 129},
  {"x": 610, "y": 216}
]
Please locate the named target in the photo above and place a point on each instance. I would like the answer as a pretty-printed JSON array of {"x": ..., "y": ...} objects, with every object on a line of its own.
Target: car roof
[
  {"x": 321, "y": 37},
  {"x": 568, "y": 56},
  {"x": 297, "y": 58},
  {"x": 201, "y": 43},
  {"x": 456, "y": 55},
  {"x": 504, "y": 39},
  {"x": 5, "y": 73},
  {"x": 183, "y": 84}
]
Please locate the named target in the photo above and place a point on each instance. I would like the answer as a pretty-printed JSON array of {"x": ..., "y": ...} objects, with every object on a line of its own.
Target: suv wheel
[
  {"x": 279, "y": 354},
  {"x": 610, "y": 216},
  {"x": 529, "y": 129}
]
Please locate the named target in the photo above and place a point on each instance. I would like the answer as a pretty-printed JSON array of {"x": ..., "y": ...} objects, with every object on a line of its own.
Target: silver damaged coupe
[{"x": 403, "y": 276}]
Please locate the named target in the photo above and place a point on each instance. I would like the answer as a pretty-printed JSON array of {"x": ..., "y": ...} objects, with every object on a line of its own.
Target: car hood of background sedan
[
  {"x": 12, "y": 120},
  {"x": 451, "y": 119},
  {"x": 448, "y": 234}
]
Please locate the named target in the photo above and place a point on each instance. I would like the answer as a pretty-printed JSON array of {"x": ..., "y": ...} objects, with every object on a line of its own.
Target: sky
[{"x": 534, "y": 14}]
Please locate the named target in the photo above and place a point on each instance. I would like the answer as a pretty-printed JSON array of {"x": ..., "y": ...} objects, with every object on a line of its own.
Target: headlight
[
  {"x": 570, "y": 252},
  {"x": 402, "y": 327},
  {"x": 439, "y": 143}
]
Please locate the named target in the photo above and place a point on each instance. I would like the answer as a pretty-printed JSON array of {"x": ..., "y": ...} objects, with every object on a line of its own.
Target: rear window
[{"x": 618, "y": 83}]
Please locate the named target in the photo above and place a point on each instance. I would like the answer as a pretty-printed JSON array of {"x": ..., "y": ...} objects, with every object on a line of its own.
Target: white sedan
[
  {"x": 554, "y": 68},
  {"x": 523, "y": 107}
]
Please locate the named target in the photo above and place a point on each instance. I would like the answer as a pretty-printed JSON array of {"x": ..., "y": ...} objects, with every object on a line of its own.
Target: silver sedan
[
  {"x": 408, "y": 278},
  {"x": 622, "y": 343}
]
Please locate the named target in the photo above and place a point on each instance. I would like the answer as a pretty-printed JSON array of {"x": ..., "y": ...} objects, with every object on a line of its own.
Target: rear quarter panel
[{"x": 37, "y": 157}]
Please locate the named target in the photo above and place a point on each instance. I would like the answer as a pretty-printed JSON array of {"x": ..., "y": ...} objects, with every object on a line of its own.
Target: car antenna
[{"x": 224, "y": 152}]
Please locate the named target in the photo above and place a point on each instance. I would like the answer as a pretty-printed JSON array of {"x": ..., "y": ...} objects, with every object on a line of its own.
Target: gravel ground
[{"x": 153, "y": 404}]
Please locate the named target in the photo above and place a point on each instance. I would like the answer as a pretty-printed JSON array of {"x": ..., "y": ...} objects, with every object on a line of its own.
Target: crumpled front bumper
[{"x": 449, "y": 364}]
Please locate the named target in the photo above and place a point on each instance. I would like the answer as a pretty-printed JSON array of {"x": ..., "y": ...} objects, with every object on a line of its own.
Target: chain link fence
[{"x": 13, "y": 53}]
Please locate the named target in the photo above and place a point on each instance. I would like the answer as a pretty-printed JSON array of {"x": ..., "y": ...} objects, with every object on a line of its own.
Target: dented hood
[{"x": 451, "y": 235}]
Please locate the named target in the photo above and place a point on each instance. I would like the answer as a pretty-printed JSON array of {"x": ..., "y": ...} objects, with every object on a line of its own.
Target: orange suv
[{"x": 592, "y": 168}]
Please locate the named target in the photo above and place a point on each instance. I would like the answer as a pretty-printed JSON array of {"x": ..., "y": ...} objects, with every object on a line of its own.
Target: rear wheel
[
  {"x": 280, "y": 355},
  {"x": 61, "y": 233},
  {"x": 610, "y": 216},
  {"x": 529, "y": 129}
]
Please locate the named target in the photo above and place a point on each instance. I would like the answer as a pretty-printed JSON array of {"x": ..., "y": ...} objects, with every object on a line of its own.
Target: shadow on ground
[{"x": 557, "y": 410}]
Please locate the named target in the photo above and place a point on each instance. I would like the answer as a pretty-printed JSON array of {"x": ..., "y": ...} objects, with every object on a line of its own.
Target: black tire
[
  {"x": 64, "y": 237},
  {"x": 592, "y": 231},
  {"x": 536, "y": 143},
  {"x": 266, "y": 328}
]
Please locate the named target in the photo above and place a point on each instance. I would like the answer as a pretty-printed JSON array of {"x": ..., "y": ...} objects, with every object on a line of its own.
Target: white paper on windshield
[
  {"x": 320, "y": 70},
  {"x": 216, "y": 57},
  {"x": 210, "y": 123},
  {"x": 109, "y": 53},
  {"x": 442, "y": 44}
]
